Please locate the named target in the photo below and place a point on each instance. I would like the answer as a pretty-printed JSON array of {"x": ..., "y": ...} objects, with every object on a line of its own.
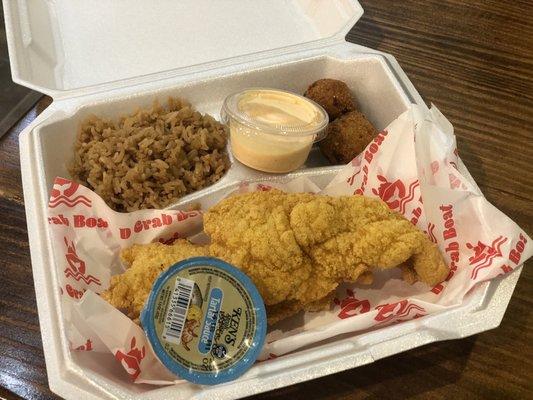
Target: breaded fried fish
[
  {"x": 129, "y": 290},
  {"x": 297, "y": 248}
]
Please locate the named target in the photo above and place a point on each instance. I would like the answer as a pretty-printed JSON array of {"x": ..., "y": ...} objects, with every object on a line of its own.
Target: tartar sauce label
[{"x": 204, "y": 318}]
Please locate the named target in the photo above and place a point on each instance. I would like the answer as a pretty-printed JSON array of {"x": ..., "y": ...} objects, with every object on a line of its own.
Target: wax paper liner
[{"x": 412, "y": 165}]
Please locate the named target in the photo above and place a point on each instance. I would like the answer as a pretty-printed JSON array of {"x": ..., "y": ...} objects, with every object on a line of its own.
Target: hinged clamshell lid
[{"x": 68, "y": 47}]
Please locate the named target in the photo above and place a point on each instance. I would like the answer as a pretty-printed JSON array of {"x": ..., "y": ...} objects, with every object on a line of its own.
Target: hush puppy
[
  {"x": 347, "y": 136},
  {"x": 333, "y": 95}
]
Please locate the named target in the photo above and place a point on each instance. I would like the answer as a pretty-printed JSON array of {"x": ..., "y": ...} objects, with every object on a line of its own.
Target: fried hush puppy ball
[
  {"x": 347, "y": 136},
  {"x": 333, "y": 95}
]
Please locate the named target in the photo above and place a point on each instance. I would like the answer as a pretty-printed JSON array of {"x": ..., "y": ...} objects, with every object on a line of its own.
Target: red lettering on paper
[
  {"x": 437, "y": 288},
  {"x": 81, "y": 221},
  {"x": 449, "y": 233},
  {"x": 368, "y": 157},
  {"x": 516, "y": 254},
  {"x": 125, "y": 233},
  {"x": 58, "y": 220},
  {"x": 416, "y": 213},
  {"x": 454, "y": 181},
  {"x": 73, "y": 292},
  {"x": 506, "y": 269}
]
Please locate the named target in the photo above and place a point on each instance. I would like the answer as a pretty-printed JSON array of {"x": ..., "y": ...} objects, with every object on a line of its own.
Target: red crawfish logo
[
  {"x": 76, "y": 266},
  {"x": 395, "y": 194},
  {"x": 63, "y": 193},
  {"x": 400, "y": 311},
  {"x": 431, "y": 233},
  {"x": 484, "y": 254},
  {"x": 351, "y": 306},
  {"x": 131, "y": 361}
]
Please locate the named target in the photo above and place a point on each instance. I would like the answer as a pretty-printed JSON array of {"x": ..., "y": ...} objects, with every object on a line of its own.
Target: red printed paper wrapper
[{"x": 412, "y": 165}]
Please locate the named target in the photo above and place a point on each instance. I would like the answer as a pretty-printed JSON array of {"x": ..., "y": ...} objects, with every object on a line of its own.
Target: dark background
[{"x": 15, "y": 100}]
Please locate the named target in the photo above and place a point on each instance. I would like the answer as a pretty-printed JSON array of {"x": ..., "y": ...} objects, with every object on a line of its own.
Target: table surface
[{"x": 474, "y": 60}]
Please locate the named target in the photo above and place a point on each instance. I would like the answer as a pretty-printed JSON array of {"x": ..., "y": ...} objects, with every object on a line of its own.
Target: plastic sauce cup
[
  {"x": 205, "y": 320},
  {"x": 273, "y": 130}
]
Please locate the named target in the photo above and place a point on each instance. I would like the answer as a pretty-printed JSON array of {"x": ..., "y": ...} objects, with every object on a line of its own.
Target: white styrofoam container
[{"x": 108, "y": 58}]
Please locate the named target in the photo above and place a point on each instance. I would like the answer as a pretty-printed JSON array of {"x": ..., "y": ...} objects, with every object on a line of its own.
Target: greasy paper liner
[{"x": 412, "y": 165}]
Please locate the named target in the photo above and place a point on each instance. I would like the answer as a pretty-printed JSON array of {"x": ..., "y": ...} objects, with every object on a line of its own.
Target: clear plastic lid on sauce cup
[
  {"x": 273, "y": 130},
  {"x": 205, "y": 320}
]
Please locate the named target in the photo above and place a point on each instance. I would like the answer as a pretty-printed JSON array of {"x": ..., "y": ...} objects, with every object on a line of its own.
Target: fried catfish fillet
[
  {"x": 253, "y": 232},
  {"x": 340, "y": 233},
  {"x": 297, "y": 248},
  {"x": 129, "y": 290}
]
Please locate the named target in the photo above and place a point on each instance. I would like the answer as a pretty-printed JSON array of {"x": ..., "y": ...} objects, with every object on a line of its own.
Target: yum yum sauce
[{"x": 273, "y": 130}]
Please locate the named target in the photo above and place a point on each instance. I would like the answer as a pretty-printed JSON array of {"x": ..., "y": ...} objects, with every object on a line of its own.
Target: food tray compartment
[
  {"x": 372, "y": 82},
  {"x": 382, "y": 92}
]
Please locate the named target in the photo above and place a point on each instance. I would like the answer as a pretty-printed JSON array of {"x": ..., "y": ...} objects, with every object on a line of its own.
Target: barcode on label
[{"x": 177, "y": 310}]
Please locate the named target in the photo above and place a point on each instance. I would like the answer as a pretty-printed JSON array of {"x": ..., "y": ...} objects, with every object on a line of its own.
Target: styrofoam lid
[{"x": 66, "y": 45}]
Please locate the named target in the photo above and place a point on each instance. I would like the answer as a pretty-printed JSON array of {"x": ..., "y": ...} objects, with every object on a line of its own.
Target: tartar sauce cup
[
  {"x": 205, "y": 320},
  {"x": 273, "y": 130}
]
